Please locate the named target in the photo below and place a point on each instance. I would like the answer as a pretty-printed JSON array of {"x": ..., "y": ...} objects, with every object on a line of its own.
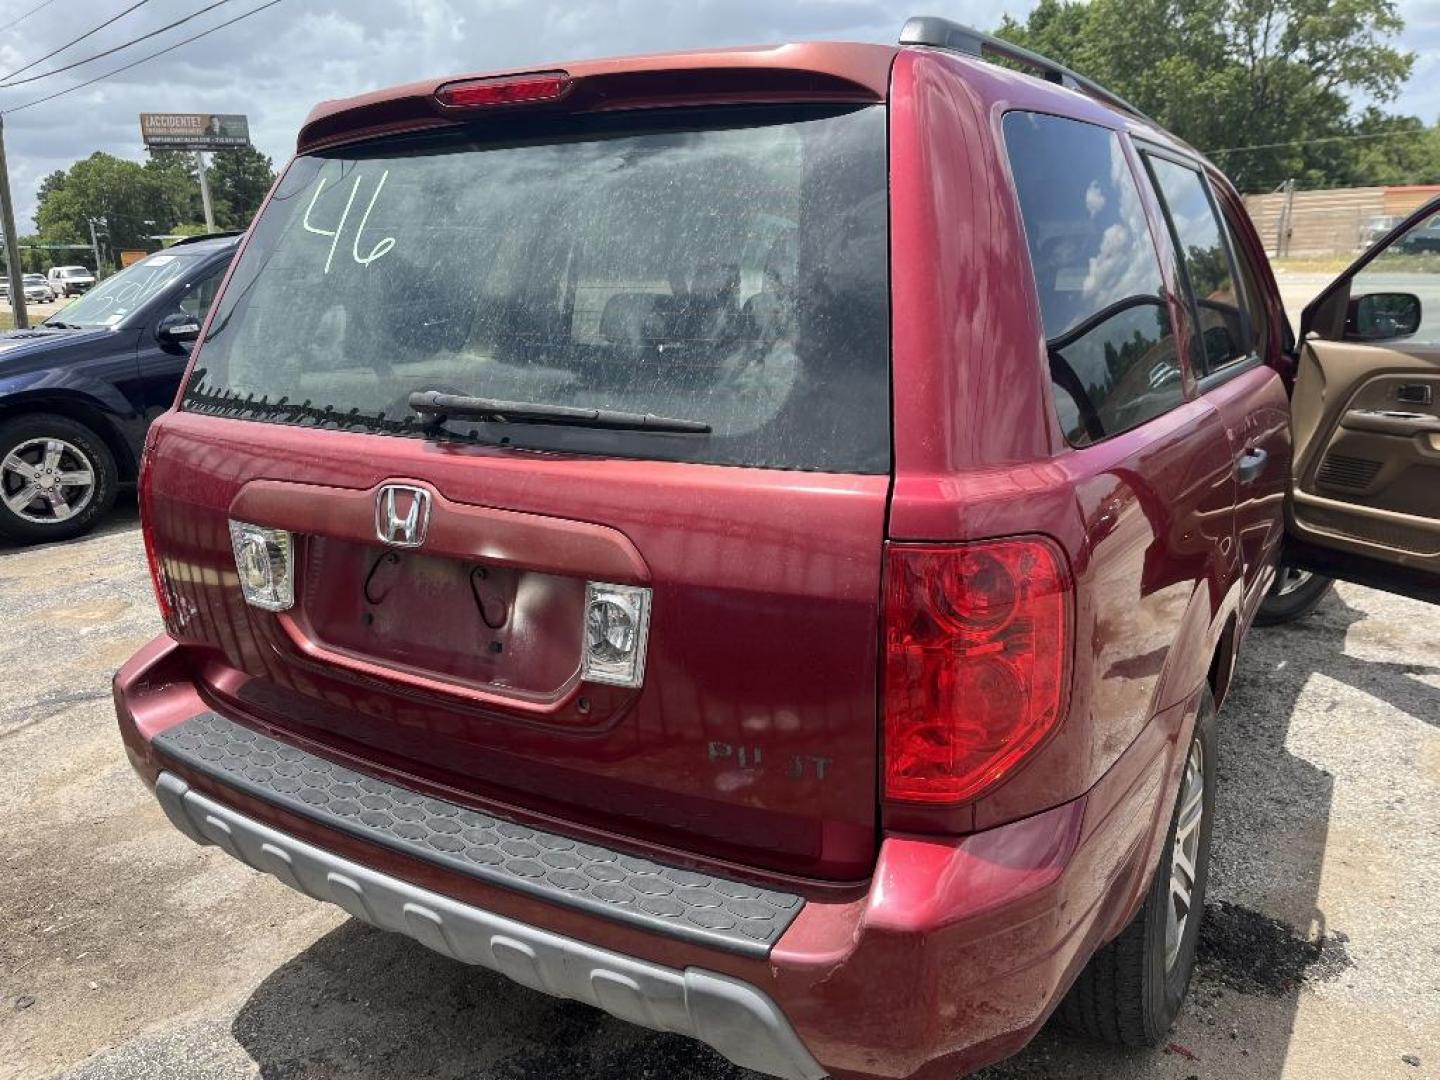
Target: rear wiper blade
[{"x": 440, "y": 406}]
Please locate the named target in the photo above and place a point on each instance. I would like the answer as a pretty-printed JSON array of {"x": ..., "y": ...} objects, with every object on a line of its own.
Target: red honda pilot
[{"x": 755, "y": 540}]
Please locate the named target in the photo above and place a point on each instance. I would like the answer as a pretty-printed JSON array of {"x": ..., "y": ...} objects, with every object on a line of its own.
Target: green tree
[
  {"x": 1257, "y": 83},
  {"x": 52, "y": 183},
  {"x": 125, "y": 202},
  {"x": 239, "y": 181},
  {"x": 175, "y": 171},
  {"x": 1393, "y": 150}
]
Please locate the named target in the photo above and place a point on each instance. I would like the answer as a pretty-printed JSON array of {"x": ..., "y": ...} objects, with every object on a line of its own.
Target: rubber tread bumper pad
[
  {"x": 730, "y": 1015},
  {"x": 667, "y": 900}
]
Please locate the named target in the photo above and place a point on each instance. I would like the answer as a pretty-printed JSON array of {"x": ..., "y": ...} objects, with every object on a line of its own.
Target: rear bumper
[
  {"x": 951, "y": 957},
  {"x": 735, "y": 1018}
]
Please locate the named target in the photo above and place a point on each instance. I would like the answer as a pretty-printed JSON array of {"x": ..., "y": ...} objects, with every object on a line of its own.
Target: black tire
[
  {"x": 1125, "y": 995},
  {"x": 1282, "y": 605},
  {"x": 20, "y": 430}
]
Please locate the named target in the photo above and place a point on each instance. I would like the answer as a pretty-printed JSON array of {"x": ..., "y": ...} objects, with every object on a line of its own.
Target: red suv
[{"x": 754, "y": 540}]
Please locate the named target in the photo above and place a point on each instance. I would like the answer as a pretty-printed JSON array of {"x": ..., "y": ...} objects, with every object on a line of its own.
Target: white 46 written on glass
[{"x": 378, "y": 250}]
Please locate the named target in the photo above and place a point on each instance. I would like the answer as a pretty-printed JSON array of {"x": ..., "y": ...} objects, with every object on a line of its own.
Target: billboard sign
[{"x": 194, "y": 131}]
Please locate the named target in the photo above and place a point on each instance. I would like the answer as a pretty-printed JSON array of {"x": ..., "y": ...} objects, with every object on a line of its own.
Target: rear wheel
[
  {"x": 1294, "y": 595},
  {"x": 1131, "y": 991},
  {"x": 57, "y": 479}
]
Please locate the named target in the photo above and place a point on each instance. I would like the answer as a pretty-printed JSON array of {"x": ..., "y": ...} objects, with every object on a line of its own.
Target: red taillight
[
  {"x": 977, "y": 648},
  {"x": 147, "y": 533},
  {"x": 504, "y": 90}
]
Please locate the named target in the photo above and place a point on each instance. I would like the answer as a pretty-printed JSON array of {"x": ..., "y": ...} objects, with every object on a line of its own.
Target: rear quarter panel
[{"x": 1145, "y": 518}]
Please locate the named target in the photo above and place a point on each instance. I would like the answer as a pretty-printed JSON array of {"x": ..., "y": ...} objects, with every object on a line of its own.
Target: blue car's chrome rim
[{"x": 46, "y": 481}]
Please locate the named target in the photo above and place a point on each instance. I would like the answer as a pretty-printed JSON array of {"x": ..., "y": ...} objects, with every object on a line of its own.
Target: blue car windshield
[{"x": 116, "y": 299}]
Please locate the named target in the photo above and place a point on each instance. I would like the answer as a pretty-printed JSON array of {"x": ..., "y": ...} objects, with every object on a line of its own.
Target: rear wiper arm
[{"x": 440, "y": 406}]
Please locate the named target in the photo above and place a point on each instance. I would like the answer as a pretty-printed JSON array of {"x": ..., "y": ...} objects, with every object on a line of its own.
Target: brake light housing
[
  {"x": 159, "y": 580},
  {"x": 977, "y": 644},
  {"x": 532, "y": 87}
]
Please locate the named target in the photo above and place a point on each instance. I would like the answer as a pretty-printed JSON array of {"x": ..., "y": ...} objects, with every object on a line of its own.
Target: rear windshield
[{"x": 728, "y": 269}]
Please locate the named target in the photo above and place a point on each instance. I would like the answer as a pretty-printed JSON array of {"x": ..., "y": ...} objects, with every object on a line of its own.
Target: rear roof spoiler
[
  {"x": 815, "y": 72},
  {"x": 943, "y": 34}
]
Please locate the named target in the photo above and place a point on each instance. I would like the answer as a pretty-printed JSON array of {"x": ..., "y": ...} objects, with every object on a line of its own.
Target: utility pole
[
  {"x": 94, "y": 246},
  {"x": 12, "y": 241},
  {"x": 205, "y": 191},
  {"x": 1287, "y": 211}
]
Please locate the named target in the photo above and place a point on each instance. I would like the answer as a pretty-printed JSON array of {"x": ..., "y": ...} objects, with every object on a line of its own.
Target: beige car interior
[{"x": 1366, "y": 475}]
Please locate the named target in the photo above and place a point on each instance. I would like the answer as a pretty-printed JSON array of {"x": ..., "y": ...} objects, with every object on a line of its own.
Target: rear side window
[
  {"x": 1224, "y": 336},
  {"x": 1251, "y": 291},
  {"x": 729, "y": 268},
  {"x": 1112, "y": 351}
]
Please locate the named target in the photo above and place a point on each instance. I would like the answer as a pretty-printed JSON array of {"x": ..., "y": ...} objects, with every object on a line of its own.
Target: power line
[
  {"x": 76, "y": 41},
  {"x": 21, "y": 18},
  {"x": 143, "y": 59},
  {"x": 100, "y": 55},
  {"x": 1326, "y": 139}
]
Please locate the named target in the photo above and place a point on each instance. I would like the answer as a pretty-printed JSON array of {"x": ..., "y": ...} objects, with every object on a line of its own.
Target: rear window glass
[
  {"x": 1113, "y": 359},
  {"x": 730, "y": 269}
]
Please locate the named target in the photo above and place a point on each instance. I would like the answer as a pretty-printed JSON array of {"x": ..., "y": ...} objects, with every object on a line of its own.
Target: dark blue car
[{"x": 78, "y": 391}]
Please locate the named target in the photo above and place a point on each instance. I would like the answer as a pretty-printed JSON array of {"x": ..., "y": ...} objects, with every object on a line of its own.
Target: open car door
[{"x": 1364, "y": 500}]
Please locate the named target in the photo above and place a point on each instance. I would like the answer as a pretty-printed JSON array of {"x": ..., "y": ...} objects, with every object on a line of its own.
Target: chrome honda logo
[{"x": 402, "y": 514}]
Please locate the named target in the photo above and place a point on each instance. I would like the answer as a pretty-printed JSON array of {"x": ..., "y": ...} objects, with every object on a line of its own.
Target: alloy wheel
[
  {"x": 46, "y": 480},
  {"x": 1288, "y": 580},
  {"x": 1185, "y": 853}
]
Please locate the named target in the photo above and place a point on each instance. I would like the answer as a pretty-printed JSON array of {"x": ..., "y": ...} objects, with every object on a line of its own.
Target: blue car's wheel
[{"x": 57, "y": 478}]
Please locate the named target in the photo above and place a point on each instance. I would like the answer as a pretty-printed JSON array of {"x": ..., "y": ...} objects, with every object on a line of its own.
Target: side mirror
[
  {"x": 177, "y": 328},
  {"x": 1382, "y": 316}
]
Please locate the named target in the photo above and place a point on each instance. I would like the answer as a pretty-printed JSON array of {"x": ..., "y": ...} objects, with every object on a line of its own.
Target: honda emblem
[{"x": 402, "y": 514}]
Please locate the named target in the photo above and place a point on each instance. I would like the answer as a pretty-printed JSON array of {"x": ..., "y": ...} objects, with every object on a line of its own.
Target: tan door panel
[{"x": 1367, "y": 451}]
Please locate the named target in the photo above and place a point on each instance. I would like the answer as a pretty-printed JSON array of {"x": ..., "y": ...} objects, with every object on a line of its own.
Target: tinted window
[
  {"x": 726, "y": 269},
  {"x": 1250, "y": 288},
  {"x": 199, "y": 296},
  {"x": 1113, "y": 361},
  {"x": 1222, "y": 338}
]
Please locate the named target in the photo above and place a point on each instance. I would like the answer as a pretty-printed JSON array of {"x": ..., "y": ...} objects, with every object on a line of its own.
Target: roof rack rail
[{"x": 944, "y": 34}]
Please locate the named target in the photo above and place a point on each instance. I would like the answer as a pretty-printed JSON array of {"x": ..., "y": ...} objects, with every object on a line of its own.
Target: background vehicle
[
  {"x": 37, "y": 289},
  {"x": 78, "y": 391},
  {"x": 1422, "y": 238},
  {"x": 1375, "y": 228},
  {"x": 558, "y": 446},
  {"x": 70, "y": 280}
]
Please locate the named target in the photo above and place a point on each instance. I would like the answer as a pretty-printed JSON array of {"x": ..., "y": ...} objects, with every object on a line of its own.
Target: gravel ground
[{"x": 128, "y": 952}]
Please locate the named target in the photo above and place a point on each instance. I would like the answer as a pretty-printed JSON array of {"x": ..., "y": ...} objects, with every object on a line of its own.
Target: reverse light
[
  {"x": 617, "y": 624},
  {"x": 977, "y": 647},
  {"x": 504, "y": 90},
  {"x": 263, "y": 563}
]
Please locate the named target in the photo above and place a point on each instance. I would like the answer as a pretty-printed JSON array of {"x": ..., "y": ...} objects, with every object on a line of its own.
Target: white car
[
  {"x": 70, "y": 280},
  {"x": 37, "y": 289}
]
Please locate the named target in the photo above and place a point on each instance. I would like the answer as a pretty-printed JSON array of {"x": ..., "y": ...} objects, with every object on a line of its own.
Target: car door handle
[{"x": 1250, "y": 465}]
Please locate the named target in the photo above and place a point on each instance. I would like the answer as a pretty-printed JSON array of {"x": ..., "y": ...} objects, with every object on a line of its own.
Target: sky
[{"x": 275, "y": 66}]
